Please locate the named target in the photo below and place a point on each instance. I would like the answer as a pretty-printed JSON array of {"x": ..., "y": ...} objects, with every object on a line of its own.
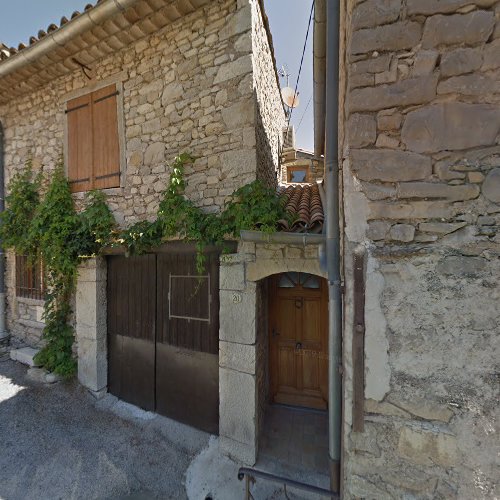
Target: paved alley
[{"x": 58, "y": 442}]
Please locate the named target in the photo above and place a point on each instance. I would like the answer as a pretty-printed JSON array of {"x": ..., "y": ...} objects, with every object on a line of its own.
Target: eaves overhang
[{"x": 103, "y": 28}]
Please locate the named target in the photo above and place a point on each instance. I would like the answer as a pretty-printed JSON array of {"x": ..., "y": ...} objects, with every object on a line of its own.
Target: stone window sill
[
  {"x": 30, "y": 302},
  {"x": 115, "y": 191},
  {"x": 31, "y": 324}
]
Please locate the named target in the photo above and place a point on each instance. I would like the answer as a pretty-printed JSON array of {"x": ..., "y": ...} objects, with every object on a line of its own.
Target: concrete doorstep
[
  {"x": 26, "y": 355},
  {"x": 212, "y": 475}
]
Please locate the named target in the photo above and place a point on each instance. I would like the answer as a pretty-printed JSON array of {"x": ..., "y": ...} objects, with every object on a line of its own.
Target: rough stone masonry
[
  {"x": 420, "y": 98},
  {"x": 204, "y": 84}
]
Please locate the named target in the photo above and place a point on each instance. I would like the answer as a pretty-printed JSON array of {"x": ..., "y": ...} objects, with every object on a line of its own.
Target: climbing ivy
[
  {"x": 22, "y": 202},
  {"x": 50, "y": 228},
  {"x": 52, "y": 231}
]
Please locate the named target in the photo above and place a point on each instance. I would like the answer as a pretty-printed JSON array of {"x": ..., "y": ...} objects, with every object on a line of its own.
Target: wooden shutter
[
  {"x": 79, "y": 114},
  {"x": 93, "y": 144},
  {"x": 106, "y": 156}
]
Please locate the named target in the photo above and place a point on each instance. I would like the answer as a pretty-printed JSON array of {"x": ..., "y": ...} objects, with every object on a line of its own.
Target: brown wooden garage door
[{"x": 163, "y": 324}]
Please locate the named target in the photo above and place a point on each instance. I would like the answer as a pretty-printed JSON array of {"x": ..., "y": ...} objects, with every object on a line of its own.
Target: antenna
[{"x": 284, "y": 73}]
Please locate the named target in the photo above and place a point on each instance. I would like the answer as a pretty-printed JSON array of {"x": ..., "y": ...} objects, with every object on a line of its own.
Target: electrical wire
[
  {"x": 304, "y": 113},
  {"x": 302, "y": 59},
  {"x": 298, "y": 75}
]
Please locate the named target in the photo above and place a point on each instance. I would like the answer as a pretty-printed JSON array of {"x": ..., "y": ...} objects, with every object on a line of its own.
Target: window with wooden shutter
[
  {"x": 93, "y": 143},
  {"x": 29, "y": 278}
]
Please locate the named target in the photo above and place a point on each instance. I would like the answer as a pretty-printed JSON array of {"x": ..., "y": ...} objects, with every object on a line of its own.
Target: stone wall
[
  {"x": 193, "y": 86},
  {"x": 293, "y": 158},
  {"x": 270, "y": 113},
  {"x": 421, "y": 179},
  {"x": 180, "y": 89},
  {"x": 24, "y": 316},
  {"x": 243, "y": 351}
]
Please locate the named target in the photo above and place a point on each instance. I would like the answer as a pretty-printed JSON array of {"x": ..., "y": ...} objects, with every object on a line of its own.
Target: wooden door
[
  {"x": 187, "y": 344},
  {"x": 163, "y": 334},
  {"x": 132, "y": 329},
  {"x": 299, "y": 340}
]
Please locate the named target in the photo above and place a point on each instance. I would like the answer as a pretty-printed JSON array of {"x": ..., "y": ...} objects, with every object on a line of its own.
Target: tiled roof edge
[{"x": 12, "y": 59}]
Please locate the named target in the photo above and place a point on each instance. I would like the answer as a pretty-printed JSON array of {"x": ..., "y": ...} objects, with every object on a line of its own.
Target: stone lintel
[{"x": 262, "y": 268}]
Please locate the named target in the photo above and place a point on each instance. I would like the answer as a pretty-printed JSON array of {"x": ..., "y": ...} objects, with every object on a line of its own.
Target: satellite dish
[{"x": 290, "y": 98}]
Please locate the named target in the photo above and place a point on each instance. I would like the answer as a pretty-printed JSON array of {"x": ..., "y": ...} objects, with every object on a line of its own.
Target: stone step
[{"x": 24, "y": 355}]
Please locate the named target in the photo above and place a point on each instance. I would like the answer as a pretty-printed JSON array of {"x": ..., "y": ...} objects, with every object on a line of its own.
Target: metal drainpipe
[
  {"x": 3, "y": 332},
  {"x": 333, "y": 238}
]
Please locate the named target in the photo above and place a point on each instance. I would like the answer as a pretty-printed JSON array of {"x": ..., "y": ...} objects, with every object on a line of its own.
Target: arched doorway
[
  {"x": 294, "y": 434},
  {"x": 298, "y": 340}
]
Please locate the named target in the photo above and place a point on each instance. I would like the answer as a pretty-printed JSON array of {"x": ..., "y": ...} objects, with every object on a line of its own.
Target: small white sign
[{"x": 236, "y": 298}]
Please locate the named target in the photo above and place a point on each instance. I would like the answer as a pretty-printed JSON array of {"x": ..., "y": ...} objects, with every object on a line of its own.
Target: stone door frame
[
  {"x": 91, "y": 325},
  {"x": 238, "y": 337}
]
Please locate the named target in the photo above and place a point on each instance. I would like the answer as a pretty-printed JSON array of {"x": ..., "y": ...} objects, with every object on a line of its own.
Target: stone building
[
  {"x": 189, "y": 76},
  {"x": 298, "y": 165},
  {"x": 164, "y": 76},
  {"x": 419, "y": 158},
  {"x": 420, "y": 166}
]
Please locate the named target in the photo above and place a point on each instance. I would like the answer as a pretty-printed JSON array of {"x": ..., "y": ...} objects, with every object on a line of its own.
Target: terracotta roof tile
[
  {"x": 6, "y": 52},
  {"x": 303, "y": 201},
  {"x": 111, "y": 29}
]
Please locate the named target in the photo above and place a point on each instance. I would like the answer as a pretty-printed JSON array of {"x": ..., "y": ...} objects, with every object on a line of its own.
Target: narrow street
[{"x": 58, "y": 442}]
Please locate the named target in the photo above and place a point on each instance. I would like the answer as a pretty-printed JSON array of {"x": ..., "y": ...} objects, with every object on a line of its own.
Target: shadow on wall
[
  {"x": 267, "y": 166},
  {"x": 56, "y": 444}
]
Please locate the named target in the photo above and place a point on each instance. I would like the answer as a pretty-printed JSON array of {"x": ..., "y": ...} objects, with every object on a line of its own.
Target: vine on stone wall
[{"x": 51, "y": 229}]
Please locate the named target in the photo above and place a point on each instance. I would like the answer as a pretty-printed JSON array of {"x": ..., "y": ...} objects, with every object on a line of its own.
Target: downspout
[
  {"x": 333, "y": 239},
  {"x": 3, "y": 333}
]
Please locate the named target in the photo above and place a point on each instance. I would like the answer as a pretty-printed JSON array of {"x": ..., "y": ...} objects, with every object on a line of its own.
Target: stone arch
[{"x": 262, "y": 269}]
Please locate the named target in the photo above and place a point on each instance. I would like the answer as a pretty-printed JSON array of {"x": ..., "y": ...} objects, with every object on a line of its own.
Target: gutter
[
  {"x": 283, "y": 238},
  {"x": 3, "y": 333},
  {"x": 60, "y": 37}
]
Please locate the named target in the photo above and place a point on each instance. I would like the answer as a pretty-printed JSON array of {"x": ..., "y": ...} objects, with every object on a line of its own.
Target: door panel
[
  {"x": 288, "y": 326},
  {"x": 298, "y": 340},
  {"x": 311, "y": 326},
  {"x": 287, "y": 369},
  {"x": 131, "y": 329},
  {"x": 187, "y": 387},
  {"x": 163, "y": 333},
  {"x": 187, "y": 351}
]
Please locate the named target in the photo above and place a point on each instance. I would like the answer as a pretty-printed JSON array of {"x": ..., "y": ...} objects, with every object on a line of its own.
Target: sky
[{"x": 288, "y": 20}]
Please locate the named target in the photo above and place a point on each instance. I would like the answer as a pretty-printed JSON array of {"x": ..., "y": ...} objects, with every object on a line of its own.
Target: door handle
[
  {"x": 298, "y": 346},
  {"x": 275, "y": 333}
]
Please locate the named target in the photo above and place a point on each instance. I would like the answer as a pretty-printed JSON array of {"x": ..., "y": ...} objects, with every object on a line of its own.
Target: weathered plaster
[{"x": 378, "y": 372}]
